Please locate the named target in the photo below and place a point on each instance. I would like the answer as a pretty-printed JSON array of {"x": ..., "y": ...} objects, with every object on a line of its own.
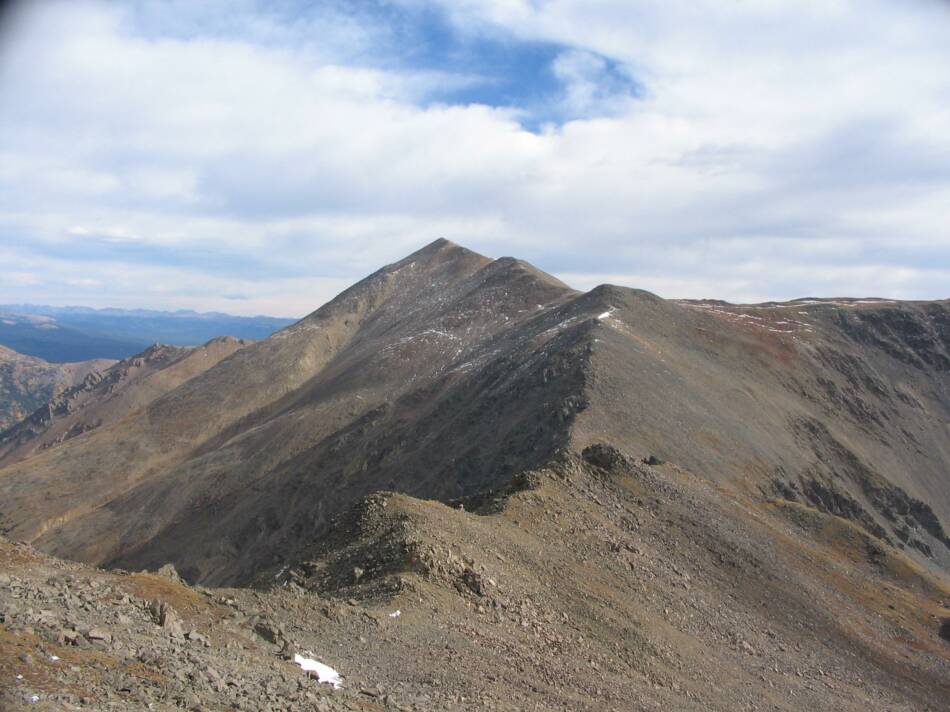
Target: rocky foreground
[{"x": 598, "y": 582}]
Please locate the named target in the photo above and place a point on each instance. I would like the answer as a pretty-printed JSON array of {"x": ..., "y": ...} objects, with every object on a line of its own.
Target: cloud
[
  {"x": 593, "y": 86},
  {"x": 749, "y": 150}
]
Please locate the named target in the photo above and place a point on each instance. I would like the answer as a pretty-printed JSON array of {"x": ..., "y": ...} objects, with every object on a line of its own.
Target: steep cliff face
[
  {"x": 446, "y": 374},
  {"x": 917, "y": 334}
]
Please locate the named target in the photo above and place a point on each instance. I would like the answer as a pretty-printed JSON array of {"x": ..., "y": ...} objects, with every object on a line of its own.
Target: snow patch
[{"x": 325, "y": 673}]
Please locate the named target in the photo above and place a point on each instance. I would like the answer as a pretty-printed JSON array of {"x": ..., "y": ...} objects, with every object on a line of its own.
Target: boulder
[{"x": 606, "y": 457}]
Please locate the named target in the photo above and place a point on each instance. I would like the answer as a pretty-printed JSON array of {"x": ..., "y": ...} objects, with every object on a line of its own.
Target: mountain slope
[
  {"x": 599, "y": 582},
  {"x": 447, "y": 373},
  {"x": 277, "y": 408},
  {"x": 26, "y": 382},
  {"x": 595, "y": 583},
  {"x": 110, "y": 394},
  {"x": 842, "y": 405}
]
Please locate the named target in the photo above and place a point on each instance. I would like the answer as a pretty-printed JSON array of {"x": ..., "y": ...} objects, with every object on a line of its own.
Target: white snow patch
[
  {"x": 325, "y": 673},
  {"x": 558, "y": 327},
  {"x": 423, "y": 334},
  {"x": 395, "y": 614}
]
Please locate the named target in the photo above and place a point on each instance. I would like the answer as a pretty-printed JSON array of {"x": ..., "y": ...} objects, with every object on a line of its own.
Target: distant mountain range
[{"x": 70, "y": 334}]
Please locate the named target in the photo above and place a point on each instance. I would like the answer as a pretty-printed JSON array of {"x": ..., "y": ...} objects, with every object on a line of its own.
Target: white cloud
[
  {"x": 589, "y": 86},
  {"x": 779, "y": 148}
]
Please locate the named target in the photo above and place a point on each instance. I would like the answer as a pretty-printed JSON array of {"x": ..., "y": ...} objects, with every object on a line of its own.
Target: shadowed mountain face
[{"x": 448, "y": 373}]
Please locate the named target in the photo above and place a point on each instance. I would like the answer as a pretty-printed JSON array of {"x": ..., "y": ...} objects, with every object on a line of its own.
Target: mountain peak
[
  {"x": 440, "y": 244},
  {"x": 438, "y": 252}
]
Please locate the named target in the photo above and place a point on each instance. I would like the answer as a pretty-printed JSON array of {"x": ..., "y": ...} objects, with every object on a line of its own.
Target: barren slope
[
  {"x": 592, "y": 584},
  {"x": 843, "y": 404},
  {"x": 219, "y": 474},
  {"x": 110, "y": 394},
  {"x": 27, "y": 382}
]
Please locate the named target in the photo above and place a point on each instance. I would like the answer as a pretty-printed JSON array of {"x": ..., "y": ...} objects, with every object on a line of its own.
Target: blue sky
[{"x": 258, "y": 157}]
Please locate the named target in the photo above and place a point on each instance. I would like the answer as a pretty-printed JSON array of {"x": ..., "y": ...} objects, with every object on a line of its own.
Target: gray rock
[
  {"x": 269, "y": 632},
  {"x": 170, "y": 572},
  {"x": 165, "y": 616},
  {"x": 100, "y": 634}
]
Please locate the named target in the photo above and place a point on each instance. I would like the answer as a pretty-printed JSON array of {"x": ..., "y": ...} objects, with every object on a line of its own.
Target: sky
[{"x": 257, "y": 157}]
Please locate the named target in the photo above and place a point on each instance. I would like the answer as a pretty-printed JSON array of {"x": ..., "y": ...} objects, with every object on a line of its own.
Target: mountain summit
[{"x": 447, "y": 374}]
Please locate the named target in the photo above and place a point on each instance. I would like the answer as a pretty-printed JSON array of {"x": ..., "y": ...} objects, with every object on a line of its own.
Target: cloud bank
[{"x": 257, "y": 157}]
